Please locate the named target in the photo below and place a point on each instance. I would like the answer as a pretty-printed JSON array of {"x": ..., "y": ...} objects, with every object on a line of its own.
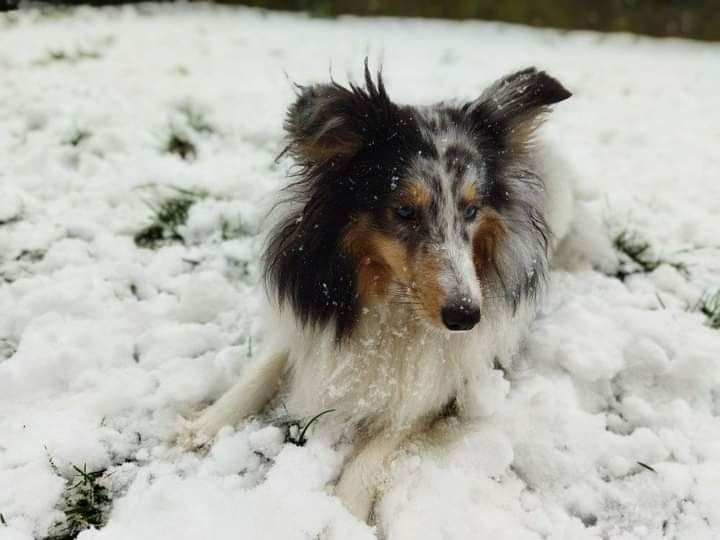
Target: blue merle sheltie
[{"x": 410, "y": 251}]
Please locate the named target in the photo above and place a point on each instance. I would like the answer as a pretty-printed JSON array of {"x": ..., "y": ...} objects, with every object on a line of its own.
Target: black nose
[{"x": 460, "y": 316}]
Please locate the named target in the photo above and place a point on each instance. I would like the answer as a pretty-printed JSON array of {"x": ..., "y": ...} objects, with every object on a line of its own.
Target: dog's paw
[
  {"x": 357, "y": 498},
  {"x": 190, "y": 437}
]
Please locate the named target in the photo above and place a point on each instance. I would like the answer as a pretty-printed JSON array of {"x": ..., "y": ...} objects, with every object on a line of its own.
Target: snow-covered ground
[{"x": 608, "y": 425}]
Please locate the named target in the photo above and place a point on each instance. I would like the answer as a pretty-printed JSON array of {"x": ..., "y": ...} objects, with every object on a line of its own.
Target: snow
[{"x": 103, "y": 345}]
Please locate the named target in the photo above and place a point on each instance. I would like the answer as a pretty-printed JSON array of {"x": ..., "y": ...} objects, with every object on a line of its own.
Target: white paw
[
  {"x": 358, "y": 499},
  {"x": 190, "y": 435}
]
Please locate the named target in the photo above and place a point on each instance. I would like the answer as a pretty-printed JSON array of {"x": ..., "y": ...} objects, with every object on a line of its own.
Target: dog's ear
[
  {"x": 330, "y": 123},
  {"x": 512, "y": 108}
]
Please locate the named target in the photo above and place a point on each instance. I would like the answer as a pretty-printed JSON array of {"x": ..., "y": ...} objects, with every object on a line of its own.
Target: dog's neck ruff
[{"x": 395, "y": 372}]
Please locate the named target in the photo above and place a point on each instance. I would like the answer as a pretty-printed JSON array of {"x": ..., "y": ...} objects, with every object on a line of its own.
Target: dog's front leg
[
  {"x": 366, "y": 472},
  {"x": 257, "y": 386}
]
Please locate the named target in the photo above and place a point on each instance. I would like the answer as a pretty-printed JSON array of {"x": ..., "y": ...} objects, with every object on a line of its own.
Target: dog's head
[{"x": 434, "y": 208}]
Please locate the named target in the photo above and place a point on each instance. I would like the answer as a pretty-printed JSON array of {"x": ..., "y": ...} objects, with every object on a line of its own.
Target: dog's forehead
[{"x": 455, "y": 164}]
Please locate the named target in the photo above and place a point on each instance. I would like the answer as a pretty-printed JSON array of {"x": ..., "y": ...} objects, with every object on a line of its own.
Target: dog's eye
[
  {"x": 471, "y": 212},
  {"x": 405, "y": 212}
]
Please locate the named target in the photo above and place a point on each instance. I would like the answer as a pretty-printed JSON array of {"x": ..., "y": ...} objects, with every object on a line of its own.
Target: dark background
[{"x": 698, "y": 19}]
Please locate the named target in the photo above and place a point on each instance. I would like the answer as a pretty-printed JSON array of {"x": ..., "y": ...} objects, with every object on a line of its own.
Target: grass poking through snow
[
  {"x": 709, "y": 305},
  {"x": 168, "y": 216},
  {"x": 196, "y": 119},
  {"x": 67, "y": 56},
  {"x": 646, "y": 466},
  {"x": 7, "y": 348},
  {"x": 296, "y": 432},
  {"x": 77, "y": 54},
  {"x": 77, "y": 137},
  {"x": 639, "y": 257},
  {"x": 189, "y": 123},
  {"x": 180, "y": 144},
  {"x": 85, "y": 503}
]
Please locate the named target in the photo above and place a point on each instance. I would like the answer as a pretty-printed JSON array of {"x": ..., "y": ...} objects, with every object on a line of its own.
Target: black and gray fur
[{"x": 354, "y": 149}]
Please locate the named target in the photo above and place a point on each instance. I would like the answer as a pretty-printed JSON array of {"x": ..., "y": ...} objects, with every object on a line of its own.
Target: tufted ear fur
[
  {"x": 329, "y": 124},
  {"x": 512, "y": 108}
]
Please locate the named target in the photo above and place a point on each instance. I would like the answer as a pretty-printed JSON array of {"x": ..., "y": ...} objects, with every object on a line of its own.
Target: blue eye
[
  {"x": 471, "y": 212},
  {"x": 405, "y": 212}
]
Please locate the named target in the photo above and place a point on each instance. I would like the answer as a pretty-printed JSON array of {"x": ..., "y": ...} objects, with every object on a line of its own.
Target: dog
[{"x": 410, "y": 252}]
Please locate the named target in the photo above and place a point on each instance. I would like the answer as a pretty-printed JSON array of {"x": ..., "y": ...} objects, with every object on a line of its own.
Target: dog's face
[
  {"x": 423, "y": 243},
  {"x": 435, "y": 209}
]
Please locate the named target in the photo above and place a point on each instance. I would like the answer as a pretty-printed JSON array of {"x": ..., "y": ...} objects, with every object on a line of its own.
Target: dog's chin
[
  {"x": 440, "y": 332},
  {"x": 435, "y": 327}
]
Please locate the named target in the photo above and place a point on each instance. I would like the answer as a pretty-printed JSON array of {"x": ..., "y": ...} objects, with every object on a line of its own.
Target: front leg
[
  {"x": 257, "y": 386},
  {"x": 366, "y": 472}
]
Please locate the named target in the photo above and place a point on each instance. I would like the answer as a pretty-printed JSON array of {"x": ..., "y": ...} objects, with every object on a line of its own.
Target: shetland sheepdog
[{"x": 412, "y": 247}]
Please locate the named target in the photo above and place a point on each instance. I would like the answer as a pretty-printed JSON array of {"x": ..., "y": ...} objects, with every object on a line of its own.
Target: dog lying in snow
[{"x": 412, "y": 249}]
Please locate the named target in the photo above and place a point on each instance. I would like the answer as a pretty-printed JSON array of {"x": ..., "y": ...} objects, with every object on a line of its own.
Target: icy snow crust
[{"x": 103, "y": 344}]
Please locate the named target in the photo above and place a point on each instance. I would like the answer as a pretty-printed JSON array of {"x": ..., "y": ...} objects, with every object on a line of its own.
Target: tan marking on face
[
  {"x": 393, "y": 254},
  {"x": 383, "y": 260},
  {"x": 373, "y": 274},
  {"x": 426, "y": 286},
  {"x": 469, "y": 194},
  {"x": 487, "y": 237},
  {"x": 416, "y": 195},
  {"x": 420, "y": 274}
]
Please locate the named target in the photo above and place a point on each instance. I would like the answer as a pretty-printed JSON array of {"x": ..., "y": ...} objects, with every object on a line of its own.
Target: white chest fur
[{"x": 394, "y": 371}]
